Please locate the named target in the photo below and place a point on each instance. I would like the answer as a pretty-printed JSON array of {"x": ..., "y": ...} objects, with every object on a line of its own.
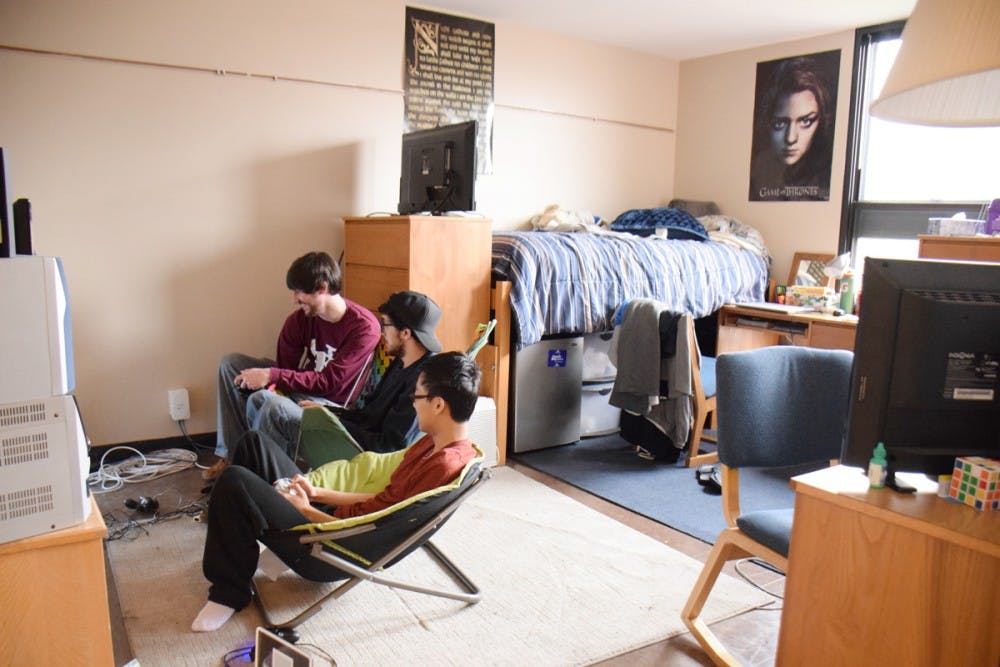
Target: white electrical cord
[{"x": 112, "y": 476}]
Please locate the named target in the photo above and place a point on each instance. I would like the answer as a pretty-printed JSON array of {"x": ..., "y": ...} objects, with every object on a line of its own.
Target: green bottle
[{"x": 877, "y": 467}]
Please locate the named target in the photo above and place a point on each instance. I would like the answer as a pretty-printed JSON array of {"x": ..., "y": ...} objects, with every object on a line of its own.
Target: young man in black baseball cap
[{"x": 387, "y": 420}]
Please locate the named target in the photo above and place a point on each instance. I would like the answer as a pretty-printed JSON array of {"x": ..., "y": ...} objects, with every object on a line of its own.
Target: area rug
[
  {"x": 562, "y": 585},
  {"x": 608, "y": 467}
]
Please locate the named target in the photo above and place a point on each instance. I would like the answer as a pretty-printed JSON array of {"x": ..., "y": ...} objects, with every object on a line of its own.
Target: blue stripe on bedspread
[{"x": 569, "y": 282}]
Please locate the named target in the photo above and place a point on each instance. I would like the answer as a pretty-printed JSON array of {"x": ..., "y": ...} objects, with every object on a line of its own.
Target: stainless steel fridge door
[{"x": 546, "y": 398}]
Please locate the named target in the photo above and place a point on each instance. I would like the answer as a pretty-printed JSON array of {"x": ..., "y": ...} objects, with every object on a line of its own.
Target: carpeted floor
[
  {"x": 668, "y": 493},
  {"x": 562, "y": 585}
]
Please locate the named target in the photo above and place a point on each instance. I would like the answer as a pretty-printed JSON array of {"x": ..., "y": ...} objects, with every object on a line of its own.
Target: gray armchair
[{"x": 777, "y": 406}]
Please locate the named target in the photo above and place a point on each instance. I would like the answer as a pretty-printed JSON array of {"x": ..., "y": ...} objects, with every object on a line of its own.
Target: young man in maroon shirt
[{"x": 322, "y": 348}]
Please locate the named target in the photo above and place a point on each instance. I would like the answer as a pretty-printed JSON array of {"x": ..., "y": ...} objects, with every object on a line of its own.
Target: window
[{"x": 899, "y": 175}]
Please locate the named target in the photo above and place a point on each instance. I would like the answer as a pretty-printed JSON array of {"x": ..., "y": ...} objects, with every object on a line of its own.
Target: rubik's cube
[{"x": 976, "y": 482}]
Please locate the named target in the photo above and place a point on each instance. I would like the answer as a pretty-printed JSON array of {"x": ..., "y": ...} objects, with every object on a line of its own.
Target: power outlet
[{"x": 180, "y": 405}]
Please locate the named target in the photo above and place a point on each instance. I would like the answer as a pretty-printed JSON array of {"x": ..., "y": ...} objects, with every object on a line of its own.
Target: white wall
[
  {"x": 714, "y": 133},
  {"x": 177, "y": 197}
]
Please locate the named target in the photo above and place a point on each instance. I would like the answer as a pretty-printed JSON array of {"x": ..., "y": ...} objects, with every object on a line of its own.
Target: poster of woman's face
[{"x": 794, "y": 114}]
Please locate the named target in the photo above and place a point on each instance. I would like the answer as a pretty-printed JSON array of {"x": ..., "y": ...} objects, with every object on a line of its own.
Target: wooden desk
[
  {"x": 54, "y": 597},
  {"x": 746, "y": 328},
  {"x": 881, "y": 578}
]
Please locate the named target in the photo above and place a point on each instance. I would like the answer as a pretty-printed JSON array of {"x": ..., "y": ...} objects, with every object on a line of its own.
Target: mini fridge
[{"x": 545, "y": 404}]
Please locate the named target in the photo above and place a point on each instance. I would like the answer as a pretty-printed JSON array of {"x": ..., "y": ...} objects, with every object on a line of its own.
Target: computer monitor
[
  {"x": 925, "y": 376},
  {"x": 438, "y": 171}
]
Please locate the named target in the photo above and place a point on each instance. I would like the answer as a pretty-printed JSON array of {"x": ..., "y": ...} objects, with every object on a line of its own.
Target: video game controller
[{"x": 284, "y": 485}]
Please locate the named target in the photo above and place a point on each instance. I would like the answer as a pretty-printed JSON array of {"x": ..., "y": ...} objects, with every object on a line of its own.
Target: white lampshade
[{"x": 947, "y": 71}]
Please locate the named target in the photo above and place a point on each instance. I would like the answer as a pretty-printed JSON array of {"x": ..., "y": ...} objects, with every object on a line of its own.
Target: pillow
[
  {"x": 643, "y": 222},
  {"x": 694, "y": 207}
]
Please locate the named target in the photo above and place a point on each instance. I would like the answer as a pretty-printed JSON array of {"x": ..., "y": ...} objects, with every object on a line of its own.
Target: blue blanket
[{"x": 572, "y": 283}]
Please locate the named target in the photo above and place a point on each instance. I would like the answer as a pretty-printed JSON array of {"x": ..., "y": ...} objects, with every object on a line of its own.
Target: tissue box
[
  {"x": 954, "y": 227},
  {"x": 975, "y": 481}
]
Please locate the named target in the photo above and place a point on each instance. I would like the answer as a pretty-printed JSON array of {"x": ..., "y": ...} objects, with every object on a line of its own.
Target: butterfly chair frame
[{"x": 419, "y": 538}]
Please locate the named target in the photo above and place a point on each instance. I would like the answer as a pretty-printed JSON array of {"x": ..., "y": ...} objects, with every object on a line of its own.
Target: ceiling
[{"x": 684, "y": 29}]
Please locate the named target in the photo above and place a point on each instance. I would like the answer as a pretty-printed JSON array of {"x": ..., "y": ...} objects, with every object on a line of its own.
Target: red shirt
[{"x": 420, "y": 470}]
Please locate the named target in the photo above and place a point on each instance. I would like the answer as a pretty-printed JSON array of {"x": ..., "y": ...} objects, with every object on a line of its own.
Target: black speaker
[{"x": 22, "y": 227}]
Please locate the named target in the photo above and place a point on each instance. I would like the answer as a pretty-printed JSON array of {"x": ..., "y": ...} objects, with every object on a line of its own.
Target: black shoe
[
  {"x": 704, "y": 473},
  {"x": 710, "y": 476}
]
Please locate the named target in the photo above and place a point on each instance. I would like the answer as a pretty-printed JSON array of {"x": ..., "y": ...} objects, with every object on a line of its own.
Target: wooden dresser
[{"x": 446, "y": 258}]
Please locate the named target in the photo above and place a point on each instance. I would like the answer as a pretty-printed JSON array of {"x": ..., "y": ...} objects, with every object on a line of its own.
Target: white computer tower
[{"x": 43, "y": 467}]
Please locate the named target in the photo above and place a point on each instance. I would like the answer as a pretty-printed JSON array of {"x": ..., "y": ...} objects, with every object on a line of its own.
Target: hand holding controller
[{"x": 284, "y": 485}]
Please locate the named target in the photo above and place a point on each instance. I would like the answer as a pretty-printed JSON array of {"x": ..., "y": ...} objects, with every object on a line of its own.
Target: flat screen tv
[
  {"x": 925, "y": 377},
  {"x": 438, "y": 171}
]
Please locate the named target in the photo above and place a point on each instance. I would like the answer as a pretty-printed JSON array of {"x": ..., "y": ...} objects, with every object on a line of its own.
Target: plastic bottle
[
  {"x": 847, "y": 292},
  {"x": 877, "y": 467}
]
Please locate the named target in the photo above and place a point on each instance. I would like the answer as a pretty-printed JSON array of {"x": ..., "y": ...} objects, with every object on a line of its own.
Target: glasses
[
  {"x": 385, "y": 325},
  {"x": 414, "y": 397}
]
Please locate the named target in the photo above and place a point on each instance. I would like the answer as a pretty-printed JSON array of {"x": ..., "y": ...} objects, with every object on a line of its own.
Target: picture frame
[{"x": 807, "y": 269}]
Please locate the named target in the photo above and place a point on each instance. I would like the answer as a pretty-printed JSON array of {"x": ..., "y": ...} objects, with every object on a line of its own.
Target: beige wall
[
  {"x": 177, "y": 198},
  {"x": 714, "y": 132}
]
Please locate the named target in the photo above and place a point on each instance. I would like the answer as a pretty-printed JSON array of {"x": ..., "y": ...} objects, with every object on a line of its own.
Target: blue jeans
[
  {"x": 232, "y": 401},
  {"x": 277, "y": 417}
]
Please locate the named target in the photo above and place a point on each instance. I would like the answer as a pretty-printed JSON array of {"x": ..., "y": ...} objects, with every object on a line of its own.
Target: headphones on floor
[{"x": 145, "y": 504}]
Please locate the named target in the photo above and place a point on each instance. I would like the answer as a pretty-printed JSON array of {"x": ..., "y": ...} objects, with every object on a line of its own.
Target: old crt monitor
[
  {"x": 439, "y": 170},
  {"x": 925, "y": 376},
  {"x": 36, "y": 341}
]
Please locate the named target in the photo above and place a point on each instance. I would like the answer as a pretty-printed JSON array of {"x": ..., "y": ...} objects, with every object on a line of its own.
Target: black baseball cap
[{"x": 416, "y": 312}]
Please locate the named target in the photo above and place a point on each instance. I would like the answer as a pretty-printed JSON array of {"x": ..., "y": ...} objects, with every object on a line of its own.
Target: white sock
[{"x": 212, "y": 617}]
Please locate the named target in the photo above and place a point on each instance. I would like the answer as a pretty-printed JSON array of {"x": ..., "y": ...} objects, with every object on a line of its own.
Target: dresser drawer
[
  {"x": 831, "y": 337},
  {"x": 370, "y": 286},
  {"x": 377, "y": 243}
]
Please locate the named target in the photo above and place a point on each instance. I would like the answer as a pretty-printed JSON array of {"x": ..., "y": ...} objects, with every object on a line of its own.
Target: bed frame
[{"x": 494, "y": 359}]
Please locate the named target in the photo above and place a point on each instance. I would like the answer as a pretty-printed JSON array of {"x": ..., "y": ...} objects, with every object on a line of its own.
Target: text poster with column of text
[{"x": 449, "y": 76}]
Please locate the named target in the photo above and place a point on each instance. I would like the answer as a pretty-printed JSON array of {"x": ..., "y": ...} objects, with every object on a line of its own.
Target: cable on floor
[
  {"x": 747, "y": 579},
  {"x": 140, "y": 468}
]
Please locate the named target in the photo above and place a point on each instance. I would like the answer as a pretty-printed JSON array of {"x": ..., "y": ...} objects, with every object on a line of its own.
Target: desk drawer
[{"x": 831, "y": 337}]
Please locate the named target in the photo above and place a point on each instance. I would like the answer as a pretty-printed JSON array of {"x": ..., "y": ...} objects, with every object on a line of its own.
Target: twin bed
[{"x": 570, "y": 283}]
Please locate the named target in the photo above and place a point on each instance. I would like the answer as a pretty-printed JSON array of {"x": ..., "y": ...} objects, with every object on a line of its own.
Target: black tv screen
[
  {"x": 438, "y": 172},
  {"x": 927, "y": 354}
]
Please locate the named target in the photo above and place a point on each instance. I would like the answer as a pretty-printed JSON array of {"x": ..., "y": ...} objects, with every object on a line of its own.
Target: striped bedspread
[{"x": 572, "y": 283}]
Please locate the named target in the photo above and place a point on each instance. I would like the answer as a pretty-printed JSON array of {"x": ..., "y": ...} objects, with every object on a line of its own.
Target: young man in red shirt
[{"x": 245, "y": 506}]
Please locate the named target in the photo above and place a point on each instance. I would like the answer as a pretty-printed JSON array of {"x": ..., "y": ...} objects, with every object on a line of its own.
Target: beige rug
[{"x": 562, "y": 585}]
